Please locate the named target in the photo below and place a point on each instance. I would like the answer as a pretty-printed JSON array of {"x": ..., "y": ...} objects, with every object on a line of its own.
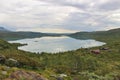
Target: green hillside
[
  {"x": 19, "y": 35},
  {"x": 12, "y": 35},
  {"x": 98, "y": 35},
  {"x": 9, "y": 35},
  {"x": 80, "y": 64}
]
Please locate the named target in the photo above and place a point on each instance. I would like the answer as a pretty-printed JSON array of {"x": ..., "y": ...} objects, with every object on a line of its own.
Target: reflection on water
[{"x": 55, "y": 44}]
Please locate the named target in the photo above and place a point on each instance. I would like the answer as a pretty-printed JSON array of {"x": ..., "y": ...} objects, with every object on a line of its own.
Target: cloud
[
  {"x": 88, "y": 4},
  {"x": 60, "y": 15},
  {"x": 110, "y": 5}
]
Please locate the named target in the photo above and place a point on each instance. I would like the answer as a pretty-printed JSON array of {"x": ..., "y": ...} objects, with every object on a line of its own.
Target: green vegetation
[
  {"x": 11, "y": 35},
  {"x": 106, "y": 36},
  {"x": 80, "y": 64},
  {"x": 8, "y": 35}
]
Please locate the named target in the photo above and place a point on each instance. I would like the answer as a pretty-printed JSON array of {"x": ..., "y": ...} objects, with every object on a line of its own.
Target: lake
[{"x": 55, "y": 44}]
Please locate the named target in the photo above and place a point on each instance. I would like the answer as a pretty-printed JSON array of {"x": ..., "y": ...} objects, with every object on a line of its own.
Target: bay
[{"x": 55, "y": 44}]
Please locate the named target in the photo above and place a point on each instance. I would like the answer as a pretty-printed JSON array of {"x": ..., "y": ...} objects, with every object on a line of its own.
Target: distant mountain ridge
[
  {"x": 11, "y": 35},
  {"x": 3, "y": 29},
  {"x": 98, "y": 35}
]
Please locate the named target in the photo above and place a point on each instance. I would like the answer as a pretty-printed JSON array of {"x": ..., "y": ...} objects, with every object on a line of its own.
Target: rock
[
  {"x": 4, "y": 72},
  {"x": 76, "y": 78},
  {"x": 53, "y": 76},
  {"x": 11, "y": 62},
  {"x": 7, "y": 79},
  {"x": 63, "y": 75},
  {"x": 59, "y": 78},
  {"x": 2, "y": 59},
  {"x": 6, "y": 68},
  {"x": 97, "y": 51},
  {"x": 24, "y": 75},
  {"x": 104, "y": 48}
]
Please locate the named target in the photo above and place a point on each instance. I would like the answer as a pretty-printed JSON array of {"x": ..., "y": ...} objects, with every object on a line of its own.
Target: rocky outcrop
[
  {"x": 11, "y": 62},
  {"x": 97, "y": 51},
  {"x": 2, "y": 59},
  {"x": 25, "y": 75}
]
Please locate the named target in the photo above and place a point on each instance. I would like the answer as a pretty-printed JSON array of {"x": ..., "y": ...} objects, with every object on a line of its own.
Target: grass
[{"x": 80, "y": 64}]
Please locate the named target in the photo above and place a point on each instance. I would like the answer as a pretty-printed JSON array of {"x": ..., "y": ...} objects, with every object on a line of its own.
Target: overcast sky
[{"x": 60, "y": 16}]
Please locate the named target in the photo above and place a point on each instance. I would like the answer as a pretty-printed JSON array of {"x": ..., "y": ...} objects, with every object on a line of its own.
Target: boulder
[
  {"x": 4, "y": 72},
  {"x": 59, "y": 78},
  {"x": 97, "y": 51},
  {"x": 11, "y": 62},
  {"x": 2, "y": 59},
  {"x": 62, "y": 75},
  {"x": 25, "y": 75},
  {"x": 104, "y": 48}
]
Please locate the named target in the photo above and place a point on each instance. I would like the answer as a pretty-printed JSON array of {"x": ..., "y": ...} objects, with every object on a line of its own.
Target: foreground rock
[
  {"x": 24, "y": 75},
  {"x": 2, "y": 59},
  {"x": 97, "y": 51},
  {"x": 11, "y": 62}
]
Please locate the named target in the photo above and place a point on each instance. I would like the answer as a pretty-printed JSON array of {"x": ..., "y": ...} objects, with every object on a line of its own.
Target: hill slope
[
  {"x": 80, "y": 64},
  {"x": 11, "y": 35},
  {"x": 19, "y": 35},
  {"x": 98, "y": 35}
]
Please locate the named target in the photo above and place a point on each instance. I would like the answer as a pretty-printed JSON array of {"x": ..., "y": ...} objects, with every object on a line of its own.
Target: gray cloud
[
  {"x": 88, "y": 4},
  {"x": 60, "y": 15},
  {"x": 72, "y": 3},
  {"x": 111, "y": 5}
]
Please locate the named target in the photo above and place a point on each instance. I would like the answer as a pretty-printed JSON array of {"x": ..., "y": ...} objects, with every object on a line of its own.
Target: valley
[{"x": 80, "y": 64}]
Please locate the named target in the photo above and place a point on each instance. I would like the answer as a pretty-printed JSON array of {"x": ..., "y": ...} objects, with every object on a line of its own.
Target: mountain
[
  {"x": 12, "y": 35},
  {"x": 19, "y": 35},
  {"x": 3, "y": 29},
  {"x": 98, "y": 35},
  {"x": 7, "y": 35}
]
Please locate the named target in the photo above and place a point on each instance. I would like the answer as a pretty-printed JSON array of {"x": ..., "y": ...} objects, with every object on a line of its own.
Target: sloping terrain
[
  {"x": 12, "y": 35},
  {"x": 81, "y": 64},
  {"x": 99, "y": 35}
]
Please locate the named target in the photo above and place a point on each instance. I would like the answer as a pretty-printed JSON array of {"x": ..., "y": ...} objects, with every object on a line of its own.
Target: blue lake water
[{"x": 55, "y": 44}]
